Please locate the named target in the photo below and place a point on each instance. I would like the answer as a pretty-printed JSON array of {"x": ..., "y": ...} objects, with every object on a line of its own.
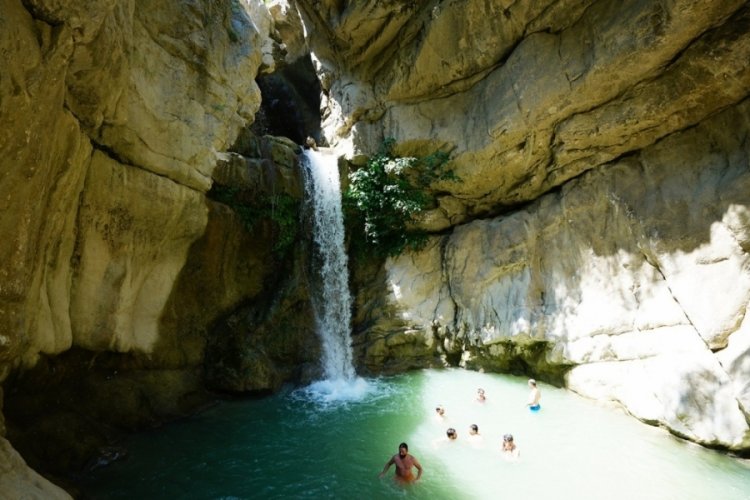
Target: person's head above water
[
  {"x": 451, "y": 433},
  {"x": 508, "y": 444},
  {"x": 480, "y": 394},
  {"x": 532, "y": 382},
  {"x": 473, "y": 429},
  {"x": 403, "y": 449},
  {"x": 440, "y": 410}
]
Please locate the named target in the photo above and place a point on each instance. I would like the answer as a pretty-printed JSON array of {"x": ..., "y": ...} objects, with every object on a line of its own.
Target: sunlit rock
[
  {"x": 134, "y": 232},
  {"x": 548, "y": 91}
]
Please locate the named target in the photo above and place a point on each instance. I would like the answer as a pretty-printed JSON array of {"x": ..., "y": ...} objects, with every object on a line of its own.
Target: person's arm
[
  {"x": 387, "y": 466},
  {"x": 419, "y": 468}
]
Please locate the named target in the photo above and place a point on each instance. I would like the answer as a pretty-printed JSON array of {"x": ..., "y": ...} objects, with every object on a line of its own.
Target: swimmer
[
  {"x": 534, "y": 396},
  {"x": 475, "y": 439},
  {"x": 404, "y": 463},
  {"x": 440, "y": 412},
  {"x": 450, "y": 436},
  {"x": 510, "y": 450},
  {"x": 480, "y": 395}
]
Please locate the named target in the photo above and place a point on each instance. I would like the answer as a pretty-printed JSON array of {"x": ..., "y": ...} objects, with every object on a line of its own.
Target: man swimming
[
  {"x": 404, "y": 463},
  {"x": 534, "y": 396}
]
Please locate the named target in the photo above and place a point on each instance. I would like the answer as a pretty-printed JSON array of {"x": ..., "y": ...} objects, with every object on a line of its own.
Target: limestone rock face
[
  {"x": 112, "y": 118},
  {"x": 134, "y": 232},
  {"x": 630, "y": 284},
  {"x": 115, "y": 117},
  {"x": 527, "y": 95},
  {"x": 270, "y": 339},
  {"x": 18, "y": 481}
]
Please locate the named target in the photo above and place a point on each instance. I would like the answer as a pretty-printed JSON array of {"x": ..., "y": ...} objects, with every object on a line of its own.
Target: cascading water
[{"x": 331, "y": 301}]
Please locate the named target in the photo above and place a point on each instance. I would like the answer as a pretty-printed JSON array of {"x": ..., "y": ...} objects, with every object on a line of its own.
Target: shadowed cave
[{"x": 290, "y": 104}]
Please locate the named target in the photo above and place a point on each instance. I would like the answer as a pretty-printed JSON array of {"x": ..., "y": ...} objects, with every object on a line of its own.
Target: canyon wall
[
  {"x": 116, "y": 119},
  {"x": 117, "y": 112}
]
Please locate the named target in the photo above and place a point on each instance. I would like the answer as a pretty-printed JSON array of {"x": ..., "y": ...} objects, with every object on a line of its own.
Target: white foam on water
[{"x": 337, "y": 390}]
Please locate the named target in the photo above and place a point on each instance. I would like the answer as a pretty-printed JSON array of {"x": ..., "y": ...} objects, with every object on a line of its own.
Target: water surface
[{"x": 305, "y": 444}]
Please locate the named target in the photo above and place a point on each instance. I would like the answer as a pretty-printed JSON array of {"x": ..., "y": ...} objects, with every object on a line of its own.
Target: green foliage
[
  {"x": 281, "y": 209},
  {"x": 384, "y": 196},
  {"x": 284, "y": 211}
]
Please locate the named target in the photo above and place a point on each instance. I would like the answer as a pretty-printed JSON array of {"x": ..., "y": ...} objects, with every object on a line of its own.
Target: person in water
[
  {"x": 480, "y": 395},
  {"x": 440, "y": 412},
  {"x": 475, "y": 439},
  {"x": 450, "y": 436},
  {"x": 510, "y": 450},
  {"x": 404, "y": 463},
  {"x": 534, "y": 396}
]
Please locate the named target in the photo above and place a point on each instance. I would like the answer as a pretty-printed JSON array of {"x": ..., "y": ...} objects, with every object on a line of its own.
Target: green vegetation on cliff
[
  {"x": 384, "y": 196},
  {"x": 282, "y": 209}
]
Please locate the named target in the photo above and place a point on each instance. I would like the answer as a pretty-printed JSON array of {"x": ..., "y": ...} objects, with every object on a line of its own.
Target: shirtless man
[
  {"x": 404, "y": 463},
  {"x": 534, "y": 396}
]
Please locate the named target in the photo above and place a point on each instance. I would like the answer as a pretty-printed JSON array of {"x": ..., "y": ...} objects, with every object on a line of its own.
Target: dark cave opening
[{"x": 290, "y": 102}]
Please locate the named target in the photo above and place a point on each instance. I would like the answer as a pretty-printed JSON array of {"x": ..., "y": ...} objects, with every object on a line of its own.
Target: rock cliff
[
  {"x": 116, "y": 257},
  {"x": 110, "y": 106}
]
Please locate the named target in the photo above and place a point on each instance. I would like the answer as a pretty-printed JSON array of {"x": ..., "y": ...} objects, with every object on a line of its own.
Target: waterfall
[{"x": 331, "y": 298}]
